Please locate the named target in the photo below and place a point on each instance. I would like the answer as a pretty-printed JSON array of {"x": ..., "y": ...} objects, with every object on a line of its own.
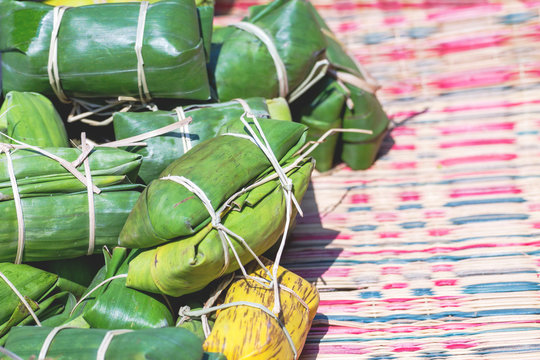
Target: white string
[
  {"x": 186, "y": 311},
  {"x": 10, "y": 354},
  {"x": 119, "y": 276},
  {"x": 215, "y": 218},
  {"x": 52, "y": 64},
  {"x": 141, "y": 77},
  {"x": 21, "y": 297},
  {"x": 5, "y": 148},
  {"x": 318, "y": 71},
  {"x": 223, "y": 231},
  {"x": 355, "y": 81},
  {"x": 184, "y": 130},
  {"x": 107, "y": 341},
  {"x": 287, "y": 186},
  {"x": 281, "y": 70},
  {"x": 90, "y": 195},
  {"x": 65, "y": 164},
  {"x": 48, "y": 340}
]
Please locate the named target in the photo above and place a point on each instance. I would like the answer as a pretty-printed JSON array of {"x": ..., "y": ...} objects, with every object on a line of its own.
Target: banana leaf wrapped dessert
[
  {"x": 233, "y": 161},
  {"x": 363, "y": 111},
  {"x": 115, "y": 306},
  {"x": 273, "y": 52},
  {"x": 191, "y": 262},
  {"x": 81, "y": 344},
  {"x": 245, "y": 332},
  {"x": 205, "y": 9},
  {"x": 46, "y": 294},
  {"x": 107, "y": 50},
  {"x": 206, "y": 121},
  {"x": 52, "y": 218},
  {"x": 31, "y": 118},
  {"x": 322, "y": 108}
]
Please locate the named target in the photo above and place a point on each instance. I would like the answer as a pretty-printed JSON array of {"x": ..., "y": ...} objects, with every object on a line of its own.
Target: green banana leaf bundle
[
  {"x": 115, "y": 306},
  {"x": 205, "y": 9},
  {"x": 220, "y": 167},
  {"x": 96, "y": 54},
  {"x": 359, "y": 150},
  {"x": 322, "y": 108},
  {"x": 241, "y": 64},
  {"x": 31, "y": 118},
  {"x": 48, "y": 295},
  {"x": 57, "y": 226},
  {"x": 207, "y": 121},
  {"x": 82, "y": 344},
  {"x": 192, "y": 262},
  {"x": 39, "y": 175},
  {"x": 55, "y": 204}
]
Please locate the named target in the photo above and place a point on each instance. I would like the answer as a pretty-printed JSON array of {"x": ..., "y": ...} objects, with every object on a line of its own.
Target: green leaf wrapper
[{"x": 96, "y": 56}]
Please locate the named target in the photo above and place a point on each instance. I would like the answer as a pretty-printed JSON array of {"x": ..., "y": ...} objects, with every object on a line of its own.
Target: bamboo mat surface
[{"x": 434, "y": 252}]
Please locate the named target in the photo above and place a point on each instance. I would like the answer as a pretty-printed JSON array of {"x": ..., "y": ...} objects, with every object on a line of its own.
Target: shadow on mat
[{"x": 307, "y": 255}]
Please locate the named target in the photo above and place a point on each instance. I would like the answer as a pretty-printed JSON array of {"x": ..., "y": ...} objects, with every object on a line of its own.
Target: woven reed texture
[{"x": 433, "y": 253}]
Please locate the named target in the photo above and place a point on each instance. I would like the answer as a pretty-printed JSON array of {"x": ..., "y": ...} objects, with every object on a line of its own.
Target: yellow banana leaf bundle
[
  {"x": 243, "y": 332},
  {"x": 31, "y": 118}
]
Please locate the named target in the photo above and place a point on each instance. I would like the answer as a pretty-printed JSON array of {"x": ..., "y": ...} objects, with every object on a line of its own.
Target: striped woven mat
[{"x": 434, "y": 252}]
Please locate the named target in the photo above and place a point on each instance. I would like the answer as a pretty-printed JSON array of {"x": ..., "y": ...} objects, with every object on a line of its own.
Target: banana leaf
[
  {"x": 115, "y": 306},
  {"x": 205, "y": 9},
  {"x": 243, "y": 67},
  {"x": 81, "y": 270},
  {"x": 96, "y": 56},
  {"x": 359, "y": 150},
  {"x": 242, "y": 332},
  {"x": 57, "y": 226},
  {"x": 83, "y": 344},
  {"x": 321, "y": 109},
  {"x": 45, "y": 292},
  {"x": 207, "y": 121},
  {"x": 39, "y": 174},
  {"x": 233, "y": 163},
  {"x": 32, "y": 119},
  {"x": 189, "y": 264}
]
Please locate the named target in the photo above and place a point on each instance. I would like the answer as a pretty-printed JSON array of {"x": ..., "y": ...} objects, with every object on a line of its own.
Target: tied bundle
[
  {"x": 30, "y": 295},
  {"x": 195, "y": 218},
  {"x": 104, "y": 50},
  {"x": 109, "y": 304},
  {"x": 207, "y": 121},
  {"x": 31, "y": 118},
  {"x": 278, "y": 50},
  {"x": 245, "y": 328},
  {"x": 345, "y": 98},
  {"x": 63, "y": 202},
  {"x": 99, "y": 344}
]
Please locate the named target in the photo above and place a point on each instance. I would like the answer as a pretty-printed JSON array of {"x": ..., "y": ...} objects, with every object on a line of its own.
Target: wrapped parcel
[
  {"x": 106, "y": 50},
  {"x": 207, "y": 121}
]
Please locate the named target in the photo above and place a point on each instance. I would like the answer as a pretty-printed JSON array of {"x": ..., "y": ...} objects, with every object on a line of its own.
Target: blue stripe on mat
[
  {"x": 448, "y": 316},
  {"x": 485, "y": 201}
]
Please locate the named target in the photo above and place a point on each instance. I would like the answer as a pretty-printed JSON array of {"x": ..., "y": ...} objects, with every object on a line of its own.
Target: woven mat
[{"x": 434, "y": 252}]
